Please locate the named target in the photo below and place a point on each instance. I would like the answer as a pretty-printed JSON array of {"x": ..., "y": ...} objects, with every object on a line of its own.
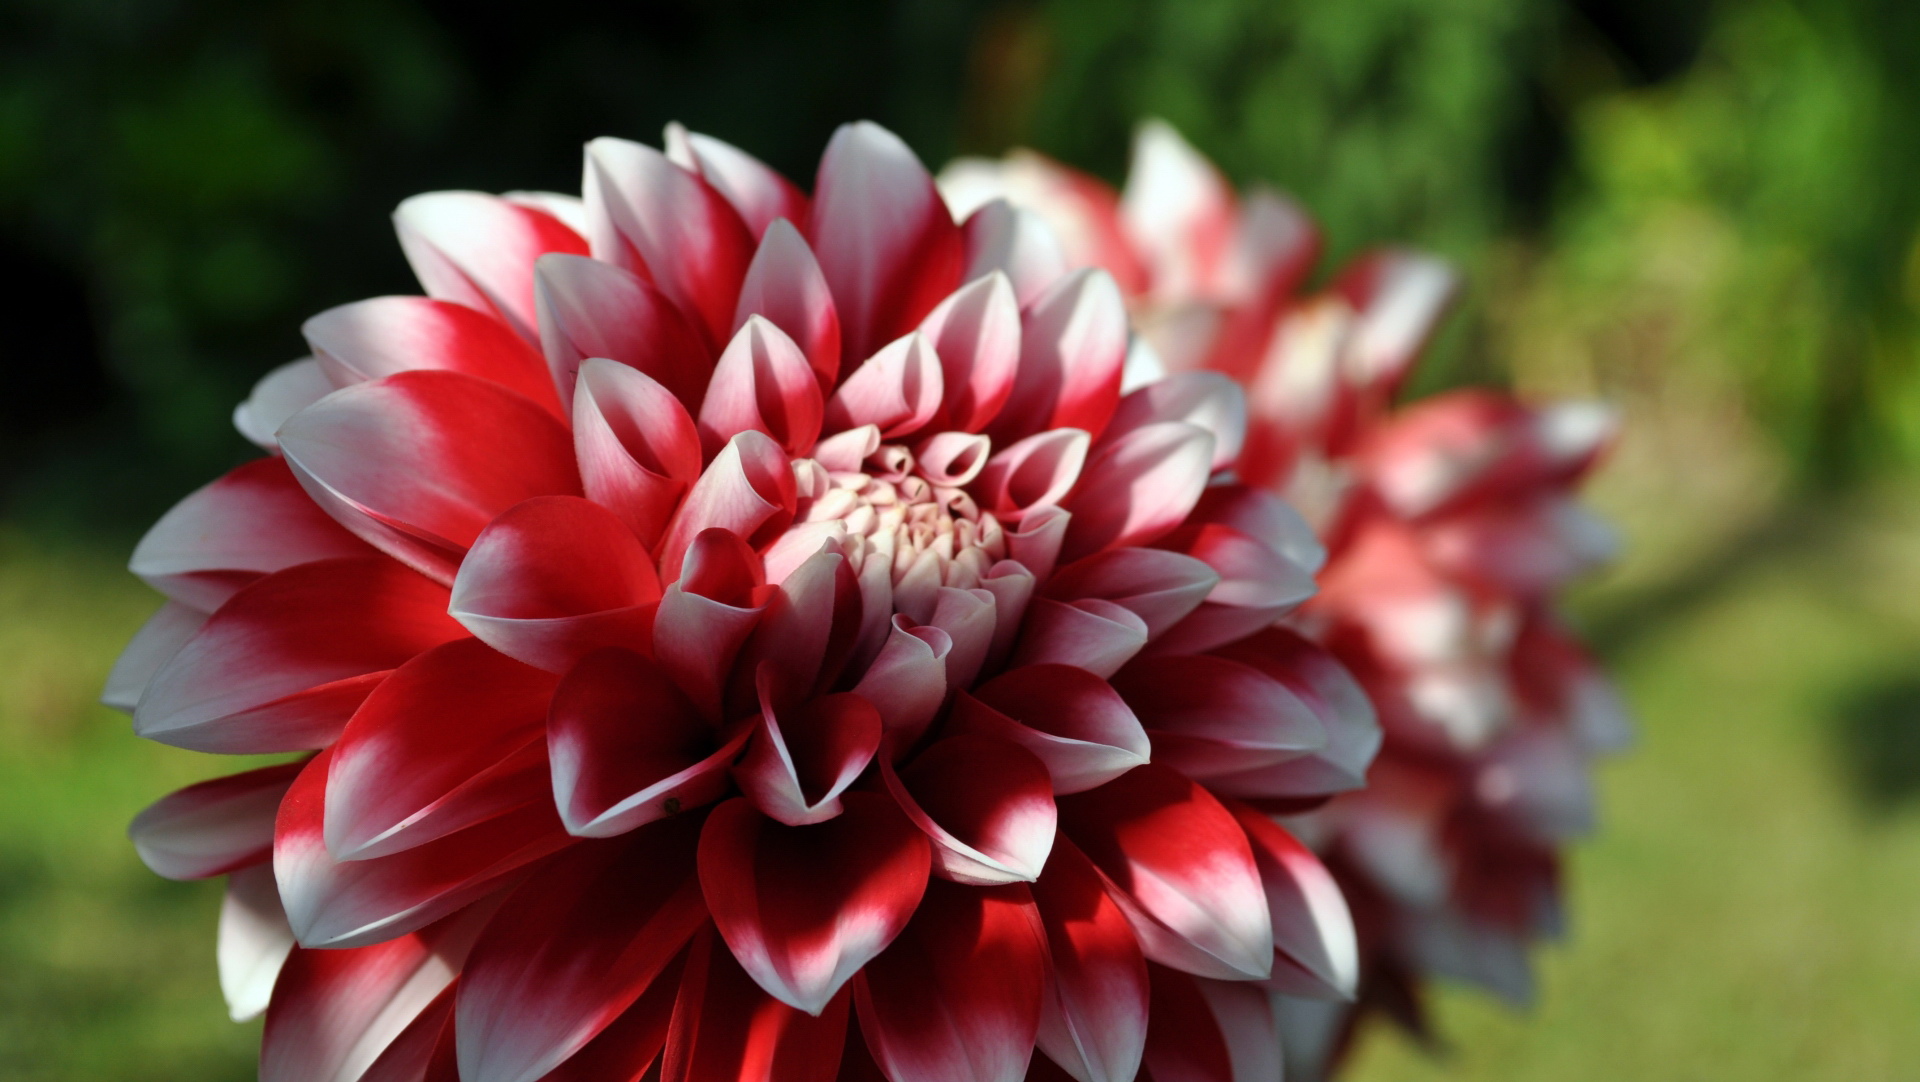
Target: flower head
[
  {"x": 1450, "y": 525},
  {"x": 751, "y": 631}
]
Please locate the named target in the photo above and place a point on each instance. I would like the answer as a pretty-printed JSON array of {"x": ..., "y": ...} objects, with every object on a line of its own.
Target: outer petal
[
  {"x": 976, "y": 333},
  {"x": 1095, "y": 635},
  {"x": 1036, "y": 472},
  {"x": 803, "y": 908},
  {"x": 1182, "y": 870},
  {"x": 417, "y": 464},
  {"x": 254, "y": 521},
  {"x": 1178, "y": 211},
  {"x": 1353, "y": 732},
  {"x": 572, "y": 949},
  {"x": 1312, "y": 927},
  {"x": 451, "y": 739},
  {"x": 1185, "y": 1042},
  {"x": 612, "y": 772},
  {"x": 1095, "y": 1021},
  {"x": 785, "y": 285},
  {"x": 553, "y": 579},
  {"x": 898, "y": 389},
  {"x": 725, "y": 1029},
  {"x": 957, "y": 997},
  {"x": 479, "y": 250},
  {"x": 1401, "y": 296},
  {"x": 758, "y": 194},
  {"x": 888, "y": 247},
  {"x": 1016, "y": 243},
  {"x": 1072, "y": 720},
  {"x": 1159, "y": 587},
  {"x": 423, "y": 1051},
  {"x": 282, "y": 665},
  {"x": 1206, "y": 400},
  {"x": 1257, "y": 586},
  {"x": 1138, "y": 487},
  {"x": 279, "y": 395},
  {"x": 651, "y": 216},
  {"x": 375, "y": 338},
  {"x": 1210, "y": 716},
  {"x": 254, "y": 941},
  {"x": 1073, "y": 346},
  {"x": 763, "y": 383},
  {"x": 986, "y": 803},
  {"x": 594, "y": 309},
  {"x": 346, "y": 904},
  {"x": 151, "y": 647},
  {"x": 212, "y": 828}
]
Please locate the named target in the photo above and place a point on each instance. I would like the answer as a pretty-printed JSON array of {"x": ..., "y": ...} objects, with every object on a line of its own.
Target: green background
[{"x": 1704, "y": 212}]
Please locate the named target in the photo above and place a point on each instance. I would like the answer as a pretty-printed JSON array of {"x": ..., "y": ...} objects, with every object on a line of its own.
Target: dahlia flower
[
  {"x": 746, "y": 635},
  {"x": 1450, "y": 527}
]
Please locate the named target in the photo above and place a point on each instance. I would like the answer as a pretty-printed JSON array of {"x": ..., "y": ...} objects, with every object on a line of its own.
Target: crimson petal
[
  {"x": 1160, "y": 587},
  {"x": 785, "y": 285},
  {"x": 1138, "y": 487},
  {"x": 1312, "y": 927},
  {"x": 1210, "y": 716},
  {"x": 593, "y": 309},
  {"x": 1095, "y": 1016},
  {"x": 726, "y": 1029},
  {"x": 976, "y": 333},
  {"x": 1072, "y": 720},
  {"x": 986, "y": 803},
  {"x": 803, "y": 758},
  {"x": 638, "y": 448},
  {"x": 214, "y": 827},
  {"x": 1073, "y": 347},
  {"x": 764, "y": 383},
  {"x": 761, "y": 196},
  {"x": 479, "y": 250},
  {"x": 381, "y": 336}
]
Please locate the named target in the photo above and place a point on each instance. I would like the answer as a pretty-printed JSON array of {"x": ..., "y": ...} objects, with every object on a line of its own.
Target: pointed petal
[
  {"x": 636, "y": 444},
  {"x": 1159, "y": 587},
  {"x": 1400, "y": 296},
  {"x": 1138, "y": 487},
  {"x": 784, "y": 284},
  {"x": 725, "y": 1029},
  {"x": 627, "y": 1048},
  {"x": 571, "y": 950},
  {"x": 418, "y": 463},
  {"x": 381, "y": 336},
  {"x": 1184, "y": 1039},
  {"x": 898, "y": 389},
  {"x": 969, "y": 618},
  {"x": 705, "y": 617},
  {"x": 1312, "y": 927},
  {"x": 1210, "y": 716},
  {"x": 810, "y": 624},
  {"x": 1206, "y": 400},
  {"x": 1073, "y": 347},
  {"x": 1181, "y": 868},
  {"x": 757, "y": 193},
  {"x": 151, "y": 647},
  {"x": 553, "y": 579},
  {"x": 334, "y": 903},
  {"x": 412, "y": 1054},
  {"x": 803, "y": 908},
  {"x": 214, "y": 827},
  {"x": 252, "y": 522},
  {"x": 763, "y": 383},
  {"x": 985, "y": 802},
  {"x": 1095, "y": 1016},
  {"x": 1178, "y": 211},
  {"x": 747, "y": 490},
  {"x": 279, "y": 395},
  {"x": 887, "y": 245},
  {"x": 957, "y": 996},
  {"x": 254, "y": 941},
  {"x": 568, "y": 210},
  {"x": 282, "y": 665},
  {"x": 804, "y": 757},
  {"x": 1257, "y": 586},
  {"x": 479, "y": 250},
  {"x": 451, "y": 739},
  {"x": 907, "y": 682},
  {"x": 1016, "y": 243},
  {"x": 1034, "y": 473},
  {"x": 1072, "y": 720},
  {"x": 1353, "y": 732},
  {"x": 1095, "y": 635},
  {"x": 976, "y": 333},
  {"x": 593, "y": 309},
  {"x": 653, "y": 217}
]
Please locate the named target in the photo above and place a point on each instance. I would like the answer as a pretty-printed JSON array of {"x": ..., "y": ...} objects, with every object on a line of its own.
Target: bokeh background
[{"x": 1705, "y": 212}]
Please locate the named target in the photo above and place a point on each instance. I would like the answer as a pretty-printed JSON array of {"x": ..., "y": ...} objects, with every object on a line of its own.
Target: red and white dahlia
[
  {"x": 1450, "y": 527},
  {"x": 746, "y": 636}
]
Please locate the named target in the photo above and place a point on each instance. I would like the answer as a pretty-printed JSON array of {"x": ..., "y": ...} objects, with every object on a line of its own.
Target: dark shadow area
[{"x": 1876, "y": 729}]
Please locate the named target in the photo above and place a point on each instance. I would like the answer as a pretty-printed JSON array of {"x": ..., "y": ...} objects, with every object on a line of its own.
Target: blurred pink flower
[
  {"x": 724, "y": 620},
  {"x": 1450, "y": 525}
]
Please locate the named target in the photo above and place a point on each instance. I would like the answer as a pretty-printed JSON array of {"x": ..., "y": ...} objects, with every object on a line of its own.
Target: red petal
[
  {"x": 1096, "y": 1014},
  {"x": 479, "y": 250},
  {"x": 254, "y": 940},
  {"x": 1312, "y": 927},
  {"x": 1159, "y": 587},
  {"x": 637, "y": 446},
  {"x": 1401, "y": 296},
  {"x": 282, "y": 665},
  {"x": 254, "y": 521},
  {"x": 625, "y": 1050},
  {"x": 907, "y": 682},
  {"x": 898, "y": 390},
  {"x": 1095, "y": 635},
  {"x": 785, "y": 285},
  {"x": 1353, "y": 733},
  {"x": 554, "y": 579},
  {"x": 572, "y": 949},
  {"x": 452, "y": 738},
  {"x": 810, "y": 625},
  {"x": 593, "y": 309},
  {"x": 762, "y": 382},
  {"x": 725, "y": 1029},
  {"x": 987, "y": 804},
  {"x": 417, "y": 464},
  {"x": 1258, "y": 585},
  {"x": 1138, "y": 487},
  {"x": 747, "y": 490},
  {"x": 410, "y": 1056},
  {"x": 758, "y": 194},
  {"x": 1036, "y": 472},
  {"x": 610, "y": 774},
  {"x": 375, "y": 338},
  {"x": 1071, "y": 719},
  {"x": 887, "y": 245},
  {"x": 1206, "y": 400},
  {"x": 957, "y": 996},
  {"x": 1182, "y": 869},
  {"x": 1178, "y": 211},
  {"x": 976, "y": 332},
  {"x": 1073, "y": 346},
  {"x": 214, "y": 827},
  {"x": 351, "y": 903},
  {"x": 803, "y": 908},
  {"x": 685, "y": 236},
  {"x": 1184, "y": 1040},
  {"x": 1017, "y": 243},
  {"x": 706, "y": 616},
  {"x": 1210, "y": 716},
  {"x": 802, "y": 760}
]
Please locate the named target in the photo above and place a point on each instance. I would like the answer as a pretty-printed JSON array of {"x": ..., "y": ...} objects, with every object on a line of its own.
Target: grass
[{"x": 1749, "y": 911}]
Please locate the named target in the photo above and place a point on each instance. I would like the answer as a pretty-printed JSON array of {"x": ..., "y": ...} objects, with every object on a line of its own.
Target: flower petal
[
  {"x": 763, "y": 383},
  {"x": 987, "y": 804},
  {"x": 214, "y": 827},
  {"x": 1181, "y": 868},
  {"x": 1034, "y": 473},
  {"x": 1206, "y": 400},
  {"x": 479, "y": 250},
  {"x": 784, "y": 284},
  {"x": 887, "y": 245},
  {"x": 553, "y": 579},
  {"x": 1073, "y": 346},
  {"x": 803, "y": 908},
  {"x": 637, "y": 446},
  {"x": 1159, "y": 587},
  {"x": 976, "y": 333},
  {"x": 569, "y": 951},
  {"x": 1184, "y": 1040},
  {"x": 151, "y": 647},
  {"x": 1178, "y": 211},
  {"x": 1400, "y": 296},
  {"x": 282, "y": 665},
  {"x": 418, "y": 463},
  {"x": 611, "y": 775},
  {"x": 252, "y": 522},
  {"x": 1016, "y": 243},
  {"x": 804, "y": 757},
  {"x": 593, "y": 309},
  {"x": 907, "y": 682},
  {"x": 705, "y": 617},
  {"x": 957, "y": 997},
  {"x": 1138, "y": 487},
  {"x": 1095, "y": 1017},
  {"x": 451, "y": 739},
  {"x": 1353, "y": 732},
  {"x": 279, "y": 395},
  {"x": 1257, "y": 586},
  {"x": 747, "y": 490},
  {"x": 1312, "y": 927},
  {"x": 725, "y": 1029},
  {"x": 1093, "y": 634},
  {"x": 1072, "y": 720},
  {"x": 254, "y": 941},
  {"x": 382, "y": 336},
  {"x": 757, "y": 193},
  {"x": 1210, "y": 716},
  {"x": 898, "y": 389}
]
